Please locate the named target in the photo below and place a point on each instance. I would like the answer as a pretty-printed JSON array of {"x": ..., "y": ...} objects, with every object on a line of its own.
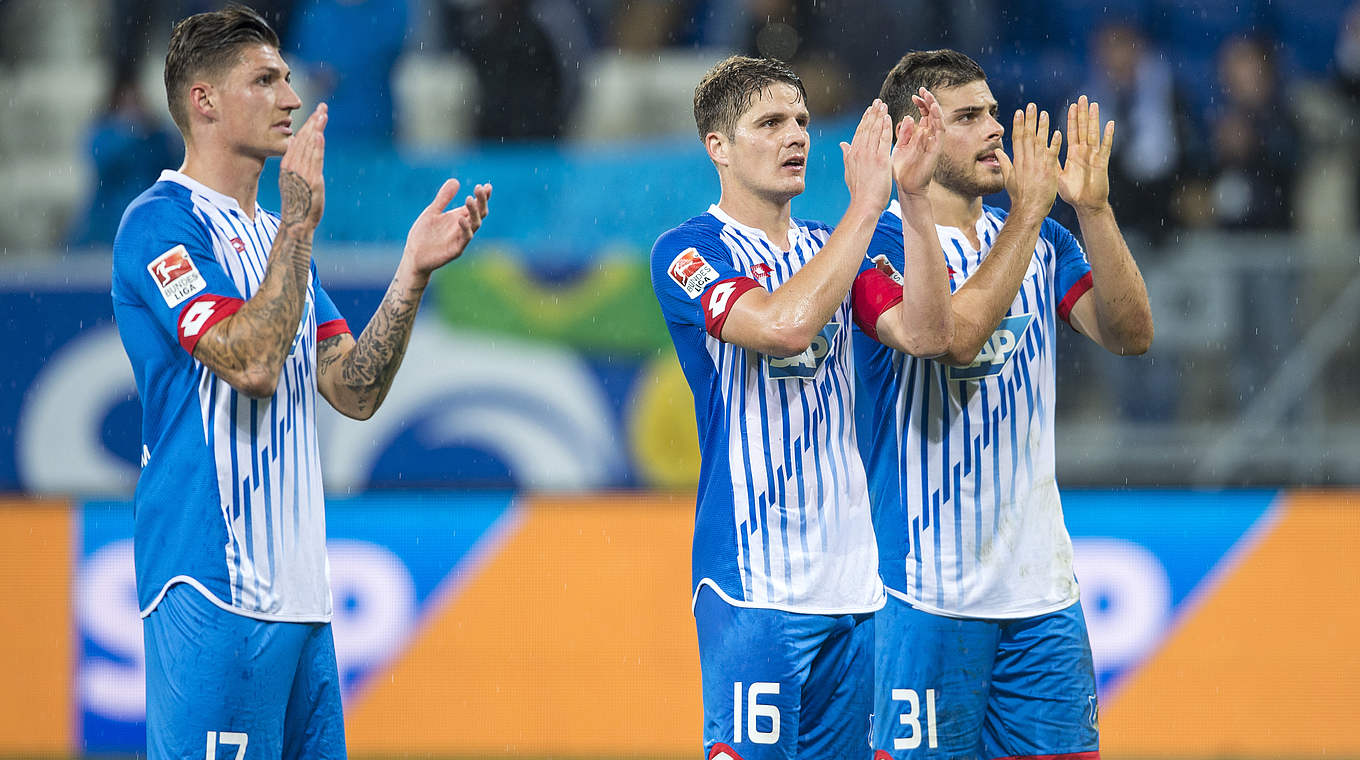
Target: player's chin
[{"x": 992, "y": 182}]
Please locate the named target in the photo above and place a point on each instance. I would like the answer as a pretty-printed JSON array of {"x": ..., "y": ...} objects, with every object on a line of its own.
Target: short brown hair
[
  {"x": 208, "y": 44},
  {"x": 930, "y": 69},
  {"x": 728, "y": 88}
]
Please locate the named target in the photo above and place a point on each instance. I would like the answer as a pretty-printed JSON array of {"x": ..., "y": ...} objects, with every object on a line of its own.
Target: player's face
[
  {"x": 769, "y": 147},
  {"x": 257, "y": 103},
  {"x": 967, "y": 164}
]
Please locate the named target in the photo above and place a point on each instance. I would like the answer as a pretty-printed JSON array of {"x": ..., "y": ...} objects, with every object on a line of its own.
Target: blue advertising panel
[{"x": 392, "y": 558}]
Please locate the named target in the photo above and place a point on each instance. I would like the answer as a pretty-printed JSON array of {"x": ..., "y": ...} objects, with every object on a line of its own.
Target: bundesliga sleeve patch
[
  {"x": 691, "y": 272},
  {"x": 176, "y": 276}
]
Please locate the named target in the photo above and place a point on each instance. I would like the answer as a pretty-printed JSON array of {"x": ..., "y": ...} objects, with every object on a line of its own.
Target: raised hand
[
  {"x": 1031, "y": 176},
  {"x": 302, "y": 186},
  {"x": 868, "y": 158},
  {"x": 918, "y": 146},
  {"x": 1085, "y": 179},
  {"x": 438, "y": 236}
]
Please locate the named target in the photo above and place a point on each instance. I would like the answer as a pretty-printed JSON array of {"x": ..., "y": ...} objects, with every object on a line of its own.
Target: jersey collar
[
  {"x": 795, "y": 232},
  {"x": 221, "y": 200},
  {"x": 981, "y": 227}
]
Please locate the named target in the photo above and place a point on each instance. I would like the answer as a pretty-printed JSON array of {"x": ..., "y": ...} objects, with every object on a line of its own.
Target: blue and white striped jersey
[
  {"x": 782, "y": 519},
  {"x": 961, "y": 459},
  {"x": 229, "y": 499}
]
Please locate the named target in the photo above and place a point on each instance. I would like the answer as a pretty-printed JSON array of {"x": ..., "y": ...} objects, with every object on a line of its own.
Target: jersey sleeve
[
  {"x": 696, "y": 281},
  {"x": 163, "y": 262},
  {"x": 329, "y": 321},
  {"x": 1072, "y": 271},
  {"x": 874, "y": 292}
]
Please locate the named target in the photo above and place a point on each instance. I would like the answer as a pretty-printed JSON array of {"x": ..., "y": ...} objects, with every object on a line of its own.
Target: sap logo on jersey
[
  {"x": 996, "y": 351},
  {"x": 691, "y": 272},
  {"x": 805, "y": 365},
  {"x": 176, "y": 276}
]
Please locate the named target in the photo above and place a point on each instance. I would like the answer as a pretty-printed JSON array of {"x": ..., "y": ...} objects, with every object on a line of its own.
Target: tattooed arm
[
  {"x": 355, "y": 375},
  {"x": 247, "y": 349}
]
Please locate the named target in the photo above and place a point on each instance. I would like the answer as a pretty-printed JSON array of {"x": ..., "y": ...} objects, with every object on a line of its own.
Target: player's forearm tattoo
[
  {"x": 252, "y": 344},
  {"x": 297, "y": 198},
  {"x": 368, "y": 369}
]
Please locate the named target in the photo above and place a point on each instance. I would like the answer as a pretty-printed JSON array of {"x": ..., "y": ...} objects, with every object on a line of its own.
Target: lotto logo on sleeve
[
  {"x": 176, "y": 276},
  {"x": 691, "y": 272}
]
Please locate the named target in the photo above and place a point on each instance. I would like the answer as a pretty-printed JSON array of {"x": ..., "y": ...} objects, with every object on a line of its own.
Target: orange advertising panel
[
  {"x": 1267, "y": 665},
  {"x": 37, "y": 715},
  {"x": 573, "y": 639}
]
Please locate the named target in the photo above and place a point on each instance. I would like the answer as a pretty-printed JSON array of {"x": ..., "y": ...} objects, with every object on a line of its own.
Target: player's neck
[
  {"x": 769, "y": 217},
  {"x": 954, "y": 210},
  {"x": 229, "y": 173}
]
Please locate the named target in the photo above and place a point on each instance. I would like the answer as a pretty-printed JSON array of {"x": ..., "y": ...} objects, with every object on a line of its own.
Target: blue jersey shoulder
[
  {"x": 696, "y": 230},
  {"x": 813, "y": 224}
]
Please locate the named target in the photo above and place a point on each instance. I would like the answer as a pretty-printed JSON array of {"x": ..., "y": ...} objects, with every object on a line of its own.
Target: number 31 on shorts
[{"x": 911, "y": 718}]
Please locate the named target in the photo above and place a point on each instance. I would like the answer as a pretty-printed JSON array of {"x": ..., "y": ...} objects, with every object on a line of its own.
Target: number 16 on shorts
[
  {"x": 755, "y": 731},
  {"x": 911, "y": 718}
]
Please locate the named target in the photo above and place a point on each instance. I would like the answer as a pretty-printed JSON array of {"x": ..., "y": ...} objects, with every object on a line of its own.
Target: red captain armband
[
  {"x": 331, "y": 329},
  {"x": 1074, "y": 294},
  {"x": 718, "y": 299},
  {"x": 200, "y": 314},
  {"x": 873, "y": 294}
]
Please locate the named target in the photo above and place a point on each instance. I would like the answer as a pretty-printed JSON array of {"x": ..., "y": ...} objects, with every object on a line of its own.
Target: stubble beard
[{"x": 963, "y": 179}]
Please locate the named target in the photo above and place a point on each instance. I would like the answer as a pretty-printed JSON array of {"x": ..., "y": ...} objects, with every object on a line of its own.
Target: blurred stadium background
[{"x": 510, "y": 534}]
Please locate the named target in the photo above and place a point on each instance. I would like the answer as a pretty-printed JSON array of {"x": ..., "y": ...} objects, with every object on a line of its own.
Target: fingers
[
  {"x": 444, "y": 197},
  {"x": 865, "y": 123},
  {"x": 1007, "y": 168},
  {"x": 905, "y": 130},
  {"x": 1072, "y": 120},
  {"x": 1092, "y": 124},
  {"x": 1107, "y": 144},
  {"x": 483, "y": 195}
]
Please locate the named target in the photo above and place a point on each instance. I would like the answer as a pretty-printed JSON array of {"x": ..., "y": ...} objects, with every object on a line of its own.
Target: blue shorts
[
  {"x": 783, "y": 684},
  {"x": 967, "y": 688},
  {"x": 224, "y": 686}
]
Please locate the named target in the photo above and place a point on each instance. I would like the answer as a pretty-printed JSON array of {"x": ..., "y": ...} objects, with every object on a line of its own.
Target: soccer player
[
  {"x": 230, "y": 336},
  {"x": 981, "y": 650},
  {"x": 785, "y": 572}
]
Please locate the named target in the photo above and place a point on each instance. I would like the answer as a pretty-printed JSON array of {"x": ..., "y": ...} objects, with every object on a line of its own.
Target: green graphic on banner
[{"x": 605, "y": 307}]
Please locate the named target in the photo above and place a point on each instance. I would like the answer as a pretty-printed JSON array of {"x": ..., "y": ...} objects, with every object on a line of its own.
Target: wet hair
[
  {"x": 206, "y": 45},
  {"x": 728, "y": 88},
  {"x": 931, "y": 69}
]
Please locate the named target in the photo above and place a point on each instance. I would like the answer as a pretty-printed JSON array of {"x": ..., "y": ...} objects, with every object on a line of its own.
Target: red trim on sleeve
[
  {"x": 1073, "y": 293},
  {"x": 200, "y": 314},
  {"x": 718, "y": 299},
  {"x": 331, "y": 329},
  {"x": 873, "y": 294}
]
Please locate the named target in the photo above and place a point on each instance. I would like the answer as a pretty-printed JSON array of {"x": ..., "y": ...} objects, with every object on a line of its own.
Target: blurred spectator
[
  {"x": 129, "y": 147},
  {"x": 348, "y": 49},
  {"x": 1255, "y": 150},
  {"x": 841, "y": 49},
  {"x": 527, "y": 55},
  {"x": 143, "y": 25},
  {"x": 1136, "y": 89},
  {"x": 1348, "y": 77},
  {"x": 1254, "y": 141}
]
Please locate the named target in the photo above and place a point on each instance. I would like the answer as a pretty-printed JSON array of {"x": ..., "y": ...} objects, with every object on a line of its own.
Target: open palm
[{"x": 1085, "y": 178}]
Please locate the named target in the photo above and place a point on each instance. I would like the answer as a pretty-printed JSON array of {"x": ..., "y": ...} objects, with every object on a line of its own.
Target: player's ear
[
  {"x": 716, "y": 144},
  {"x": 202, "y": 100}
]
